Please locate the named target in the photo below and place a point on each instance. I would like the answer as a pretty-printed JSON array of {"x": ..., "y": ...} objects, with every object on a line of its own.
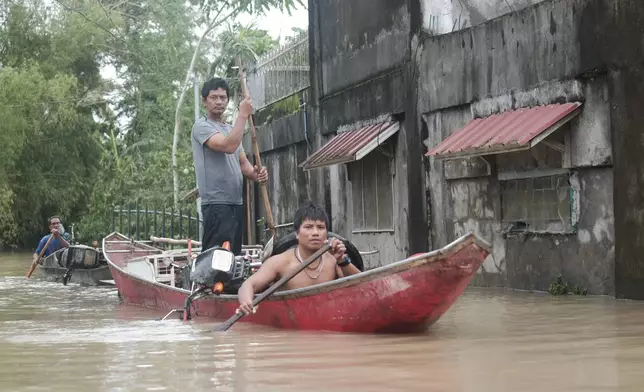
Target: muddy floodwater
[{"x": 72, "y": 338}]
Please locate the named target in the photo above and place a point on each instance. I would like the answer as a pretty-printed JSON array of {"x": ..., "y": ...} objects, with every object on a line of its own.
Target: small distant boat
[
  {"x": 405, "y": 296},
  {"x": 79, "y": 264}
]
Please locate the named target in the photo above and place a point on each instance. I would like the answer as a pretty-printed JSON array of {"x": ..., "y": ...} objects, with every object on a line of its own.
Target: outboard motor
[
  {"x": 77, "y": 258},
  {"x": 218, "y": 268}
]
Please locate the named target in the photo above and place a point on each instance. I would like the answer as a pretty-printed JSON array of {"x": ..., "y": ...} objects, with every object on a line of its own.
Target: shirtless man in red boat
[{"x": 310, "y": 224}]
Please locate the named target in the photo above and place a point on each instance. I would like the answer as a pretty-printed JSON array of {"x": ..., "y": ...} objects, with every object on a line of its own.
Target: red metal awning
[
  {"x": 510, "y": 131},
  {"x": 351, "y": 145}
]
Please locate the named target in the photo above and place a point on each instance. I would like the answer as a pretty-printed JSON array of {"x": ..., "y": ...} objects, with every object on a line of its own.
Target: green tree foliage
[
  {"x": 75, "y": 144},
  {"x": 238, "y": 42},
  {"x": 48, "y": 137}
]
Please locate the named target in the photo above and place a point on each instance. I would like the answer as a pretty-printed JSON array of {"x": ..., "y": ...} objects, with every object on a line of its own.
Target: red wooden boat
[{"x": 405, "y": 296}]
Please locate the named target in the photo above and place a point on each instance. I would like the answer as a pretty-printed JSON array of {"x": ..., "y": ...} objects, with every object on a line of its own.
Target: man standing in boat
[
  {"x": 310, "y": 224},
  {"x": 57, "y": 243},
  {"x": 221, "y": 165}
]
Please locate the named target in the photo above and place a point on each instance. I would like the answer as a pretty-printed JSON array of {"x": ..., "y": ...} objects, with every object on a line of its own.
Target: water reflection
[{"x": 72, "y": 338}]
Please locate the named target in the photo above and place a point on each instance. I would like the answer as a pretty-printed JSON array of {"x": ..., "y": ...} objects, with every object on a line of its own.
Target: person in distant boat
[
  {"x": 57, "y": 243},
  {"x": 310, "y": 225},
  {"x": 221, "y": 165}
]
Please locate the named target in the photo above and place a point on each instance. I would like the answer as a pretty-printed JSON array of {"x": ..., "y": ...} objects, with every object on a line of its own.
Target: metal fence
[
  {"x": 142, "y": 223},
  {"x": 280, "y": 73}
]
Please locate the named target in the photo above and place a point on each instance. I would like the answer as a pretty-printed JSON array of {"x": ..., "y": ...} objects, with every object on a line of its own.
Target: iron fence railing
[
  {"x": 141, "y": 223},
  {"x": 280, "y": 73}
]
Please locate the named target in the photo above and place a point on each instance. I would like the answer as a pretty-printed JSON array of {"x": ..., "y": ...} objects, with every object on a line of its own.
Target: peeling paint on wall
[{"x": 584, "y": 236}]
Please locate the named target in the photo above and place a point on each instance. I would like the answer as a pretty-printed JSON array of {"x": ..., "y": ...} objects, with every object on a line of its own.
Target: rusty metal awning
[
  {"x": 510, "y": 131},
  {"x": 351, "y": 145}
]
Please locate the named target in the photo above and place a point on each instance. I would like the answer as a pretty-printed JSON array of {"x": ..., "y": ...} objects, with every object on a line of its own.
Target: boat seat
[
  {"x": 142, "y": 269},
  {"x": 164, "y": 270}
]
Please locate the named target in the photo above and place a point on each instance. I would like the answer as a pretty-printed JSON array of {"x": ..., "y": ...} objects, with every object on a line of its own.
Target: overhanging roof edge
[{"x": 536, "y": 139}]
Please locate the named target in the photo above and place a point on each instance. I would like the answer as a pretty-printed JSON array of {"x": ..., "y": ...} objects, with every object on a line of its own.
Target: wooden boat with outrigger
[{"x": 405, "y": 296}]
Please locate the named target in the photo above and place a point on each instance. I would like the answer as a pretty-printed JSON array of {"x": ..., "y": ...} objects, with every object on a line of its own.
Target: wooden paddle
[
  {"x": 228, "y": 323},
  {"x": 258, "y": 160},
  {"x": 42, "y": 252}
]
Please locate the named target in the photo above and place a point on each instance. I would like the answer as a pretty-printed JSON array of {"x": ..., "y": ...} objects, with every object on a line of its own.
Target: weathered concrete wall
[
  {"x": 590, "y": 143},
  {"x": 446, "y": 16},
  {"x": 288, "y": 185},
  {"x": 279, "y": 133},
  {"x": 391, "y": 246},
  {"x": 283, "y": 146},
  {"x": 472, "y": 203},
  {"x": 627, "y": 101},
  {"x": 458, "y": 206},
  {"x": 560, "y": 40},
  {"x": 366, "y": 101},
  {"x": 570, "y": 40},
  {"x": 514, "y": 52},
  {"x": 361, "y": 39},
  {"x": 585, "y": 259},
  {"x": 363, "y": 47},
  {"x": 624, "y": 46}
]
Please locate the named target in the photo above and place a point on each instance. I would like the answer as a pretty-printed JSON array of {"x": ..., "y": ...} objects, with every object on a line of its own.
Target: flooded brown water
[{"x": 71, "y": 338}]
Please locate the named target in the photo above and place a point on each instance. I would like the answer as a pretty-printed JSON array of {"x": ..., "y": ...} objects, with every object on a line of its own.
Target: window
[
  {"x": 539, "y": 204},
  {"x": 372, "y": 192}
]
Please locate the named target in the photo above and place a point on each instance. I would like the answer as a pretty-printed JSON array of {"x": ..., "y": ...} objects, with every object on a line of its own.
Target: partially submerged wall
[
  {"x": 283, "y": 145},
  {"x": 509, "y": 63},
  {"x": 363, "y": 49}
]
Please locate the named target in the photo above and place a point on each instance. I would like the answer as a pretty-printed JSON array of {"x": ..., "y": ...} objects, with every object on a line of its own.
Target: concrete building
[{"x": 520, "y": 120}]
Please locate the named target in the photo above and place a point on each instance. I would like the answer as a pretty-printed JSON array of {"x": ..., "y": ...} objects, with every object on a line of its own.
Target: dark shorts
[{"x": 222, "y": 222}]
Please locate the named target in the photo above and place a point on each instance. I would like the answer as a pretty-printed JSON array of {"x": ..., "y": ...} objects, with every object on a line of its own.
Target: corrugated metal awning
[
  {"x": 351, "y": 145},
  {"x": 510, "y": 131}
]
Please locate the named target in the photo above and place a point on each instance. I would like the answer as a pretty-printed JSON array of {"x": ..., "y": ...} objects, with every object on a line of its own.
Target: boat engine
[
  {"x": 79, "y": 257},
  {"x": 218, "y": 268}
]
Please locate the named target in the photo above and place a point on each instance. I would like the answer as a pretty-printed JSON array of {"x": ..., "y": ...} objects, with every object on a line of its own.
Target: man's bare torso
[{"x": 320, "y": 271}]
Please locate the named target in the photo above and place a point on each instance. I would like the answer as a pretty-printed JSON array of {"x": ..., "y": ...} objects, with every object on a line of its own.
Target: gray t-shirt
[{"x": 219, "y": 176}]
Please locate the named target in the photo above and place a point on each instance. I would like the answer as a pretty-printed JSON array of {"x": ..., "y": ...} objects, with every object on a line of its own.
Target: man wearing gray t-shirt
[{"x": 221, "y": 165}]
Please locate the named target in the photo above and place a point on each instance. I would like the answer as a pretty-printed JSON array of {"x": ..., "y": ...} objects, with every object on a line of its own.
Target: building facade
[{"x": 519, "y": 120}]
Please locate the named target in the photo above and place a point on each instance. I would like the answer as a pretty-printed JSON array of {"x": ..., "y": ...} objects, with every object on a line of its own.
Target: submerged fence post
[
  {"x": 146, "y": 222},
  {"x": 138, "y": 232},
  {"x": 129, "y": 220},
  {"x": 113, "y": 219},
  {"x": 171, "y": 222},
  {"x": 180, "y": 222},
  {"x": 163, "y": 222},
  {"x": 189, "y": 222},
  {"x": 121, "y": 218}
]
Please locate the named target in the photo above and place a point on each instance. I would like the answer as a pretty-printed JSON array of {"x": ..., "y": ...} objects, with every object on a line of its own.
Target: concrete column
[
  {"x": 318, "y": 178},
  {"x": 627, "y": 101},
  {"x": 623, "y": 49},
  {"x": 417, "y": 225}
]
